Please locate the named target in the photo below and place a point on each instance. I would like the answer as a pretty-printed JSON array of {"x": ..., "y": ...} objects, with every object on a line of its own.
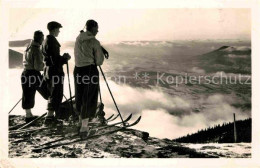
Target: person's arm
[
  {"x": 98, "y": 53},
  {"x": 105, "y": 52},
  {"x": 54, "y": 52}
]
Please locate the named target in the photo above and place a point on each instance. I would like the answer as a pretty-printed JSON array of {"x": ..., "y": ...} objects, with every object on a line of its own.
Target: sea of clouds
[
  {"x": 163, "y": 115},
  {"x": 166, "y": 116}
]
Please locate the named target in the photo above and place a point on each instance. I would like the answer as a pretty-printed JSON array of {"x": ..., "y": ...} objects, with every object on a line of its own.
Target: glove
[{"x": 67, "y": 56}]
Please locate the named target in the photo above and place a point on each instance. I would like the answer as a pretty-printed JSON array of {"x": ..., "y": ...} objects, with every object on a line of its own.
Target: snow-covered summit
[{"x": 230, "y": 49}]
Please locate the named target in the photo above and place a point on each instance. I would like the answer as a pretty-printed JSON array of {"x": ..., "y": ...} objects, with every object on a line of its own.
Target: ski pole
[
  {"x": 14, "y": 106},
  {"x": 65, "y": 97},
  {"x": 69, "y": 99},
  {"x": 111, "y": 95},
  {"x": 70, "y": 89},
  {"x": 33, "y": 121}
]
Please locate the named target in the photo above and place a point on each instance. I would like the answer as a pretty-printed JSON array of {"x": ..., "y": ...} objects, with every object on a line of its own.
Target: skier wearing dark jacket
[{"x": 53, "y": 72}]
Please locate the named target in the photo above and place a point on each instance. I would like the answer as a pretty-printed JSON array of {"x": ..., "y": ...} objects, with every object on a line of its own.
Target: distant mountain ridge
[
  {"x": 19, "y": 43},
  {"x": 230, "y": 59},
  {"x": 15, "y": 59}
]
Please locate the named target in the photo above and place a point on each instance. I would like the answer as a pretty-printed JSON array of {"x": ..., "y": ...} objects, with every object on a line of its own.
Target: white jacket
[
  {"x": 33, "y": 57},
  {"x": 87, "y": 50}
]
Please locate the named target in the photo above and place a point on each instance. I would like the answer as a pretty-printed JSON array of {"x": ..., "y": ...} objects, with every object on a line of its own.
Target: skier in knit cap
[{"x": 31, "y": 77}]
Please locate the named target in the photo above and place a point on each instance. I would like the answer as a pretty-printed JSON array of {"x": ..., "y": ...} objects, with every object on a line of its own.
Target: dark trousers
[
  {"x": 32, "y": 80},
  {"x": 86, "y": 90},
  {"x": 55, "y": 87}
]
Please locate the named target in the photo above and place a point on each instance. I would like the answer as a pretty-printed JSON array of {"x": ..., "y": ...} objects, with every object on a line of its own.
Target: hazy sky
[{"x": 135, "y": 24}]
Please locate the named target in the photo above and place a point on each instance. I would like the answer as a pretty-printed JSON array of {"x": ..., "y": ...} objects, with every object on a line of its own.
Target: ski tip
[
  {"x": 139, "y": 118},
  {"x": 110, "y": 117},
  {"x": 129, "y": 117},
  {"x": 137, "y": 121}
]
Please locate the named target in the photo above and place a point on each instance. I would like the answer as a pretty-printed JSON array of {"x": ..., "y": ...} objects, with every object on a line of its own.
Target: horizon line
[{"x": 107, "y": 41}]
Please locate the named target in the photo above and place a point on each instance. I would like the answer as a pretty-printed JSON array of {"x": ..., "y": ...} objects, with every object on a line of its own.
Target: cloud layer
[
  {"x": 163, "y": 115},
  {"x": 166, "y": 116}
]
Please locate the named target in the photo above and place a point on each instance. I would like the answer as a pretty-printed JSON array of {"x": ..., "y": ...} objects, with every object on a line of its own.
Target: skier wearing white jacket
[
  {"x": 88, "y": 55},
  {"x": 88, "y": 50},
  {"x": 31, "y": 78}
]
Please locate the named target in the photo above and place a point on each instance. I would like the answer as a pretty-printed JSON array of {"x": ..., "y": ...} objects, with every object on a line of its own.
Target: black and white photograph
[{"x": 128, "y": 82}]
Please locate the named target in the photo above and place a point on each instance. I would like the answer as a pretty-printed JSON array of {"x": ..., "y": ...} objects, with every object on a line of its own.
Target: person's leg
[
  {"x": 79, "y": 89},
  {"x": 93, "y": 94},
  {"x": 55, "y": 86},
  {"x": 28, "y": 96},
  {"x": 58, "y": 93},
  {"x": 90, "y": 96},
  {"x": 28, "y": 113},
  {"x": 84, "y": 113},
  {"x": 50, "y": 87},
  {"x": 42, "y": 87},
  {"x": 85, "y": 100}
]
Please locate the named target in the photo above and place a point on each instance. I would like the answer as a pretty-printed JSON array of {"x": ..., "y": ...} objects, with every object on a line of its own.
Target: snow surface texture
[
  {"x": 226, "y": 150},
  {"x": 125, "y": 144}
]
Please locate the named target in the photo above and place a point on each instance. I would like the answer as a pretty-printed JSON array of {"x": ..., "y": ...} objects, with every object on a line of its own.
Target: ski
[
  {"x": 16, "y": 126},
  {"x": 23, "y": 125},
  {"x": 109, "y": 117},
  {"x": 97, "y": 128},
  {"x": 33, "y": 121},
  {"x": 111, "y": 125},
  {"x": 114, "y": 118},
  {"x": 19, "y": 131},
  {"x": 106, "y": 120},
  {"x": 27, "y": 130},
  {"x": 92, "y": 136}
]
